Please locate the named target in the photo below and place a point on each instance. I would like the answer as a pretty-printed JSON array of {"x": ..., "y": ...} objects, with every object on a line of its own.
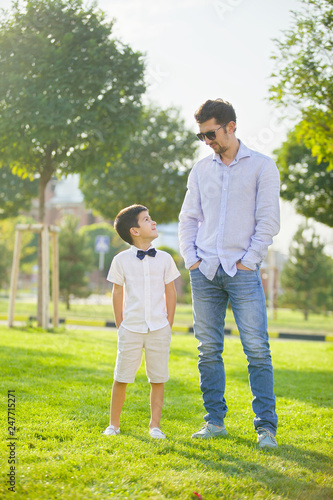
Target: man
[{"x": 229, "y": 216}]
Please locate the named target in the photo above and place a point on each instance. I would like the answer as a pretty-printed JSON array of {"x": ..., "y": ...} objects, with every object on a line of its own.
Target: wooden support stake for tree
[
  {"x": 55, "y": 279},
  {"x": 14, "y": 278},
  {"x": 45, "y": 277},
  {"x": 43, "y": 230}
]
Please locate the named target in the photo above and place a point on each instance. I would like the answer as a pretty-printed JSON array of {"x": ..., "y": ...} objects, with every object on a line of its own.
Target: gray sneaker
[
  {"x": 210, "y": 431},
  {"x": 266, "y": 439}
]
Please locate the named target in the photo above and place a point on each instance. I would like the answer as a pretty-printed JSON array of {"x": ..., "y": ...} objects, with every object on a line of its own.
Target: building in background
[{"x": 63, "y": 197}]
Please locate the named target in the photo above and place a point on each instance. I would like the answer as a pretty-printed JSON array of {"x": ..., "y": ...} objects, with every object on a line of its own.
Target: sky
[
  {"x": 198, "y": 50},
  {"x": 203, "y": 49}
]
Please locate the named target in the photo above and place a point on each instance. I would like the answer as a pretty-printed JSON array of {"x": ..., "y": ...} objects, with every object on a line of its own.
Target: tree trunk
[{"x": 45, "y": 176}]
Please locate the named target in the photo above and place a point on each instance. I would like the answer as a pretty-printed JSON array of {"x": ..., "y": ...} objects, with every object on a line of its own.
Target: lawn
[
  {"x": 62, "y": 385},
  {"x": 286, "y": 320}
]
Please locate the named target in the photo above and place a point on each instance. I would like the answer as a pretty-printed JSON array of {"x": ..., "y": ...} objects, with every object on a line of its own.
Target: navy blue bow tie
[{"x": 141, "y": 253}]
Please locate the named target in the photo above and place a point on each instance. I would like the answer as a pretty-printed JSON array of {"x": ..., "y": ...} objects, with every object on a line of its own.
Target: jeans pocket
[{"x": 193, "y": 270}]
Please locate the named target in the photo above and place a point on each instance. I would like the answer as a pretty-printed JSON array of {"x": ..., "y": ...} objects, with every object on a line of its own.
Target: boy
[{"x": 144, "y": 302}]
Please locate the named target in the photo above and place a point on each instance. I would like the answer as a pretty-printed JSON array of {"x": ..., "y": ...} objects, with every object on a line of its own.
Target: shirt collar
[
  {"x": 135, "y": 249},
  {"x": 243, "y": 152}
]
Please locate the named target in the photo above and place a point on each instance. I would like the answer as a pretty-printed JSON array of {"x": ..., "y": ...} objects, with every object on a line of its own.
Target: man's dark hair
[
  {"x": 127, "y": 218},
  {"x": 222, "y": 111}
]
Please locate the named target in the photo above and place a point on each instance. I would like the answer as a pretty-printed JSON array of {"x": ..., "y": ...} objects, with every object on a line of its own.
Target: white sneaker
[
  {"x": 156, "y": 433},
  {"x": 111, "y": 431}
]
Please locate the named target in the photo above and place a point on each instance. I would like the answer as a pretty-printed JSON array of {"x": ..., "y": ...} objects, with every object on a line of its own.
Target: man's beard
[{"x": 220, "y": 150}]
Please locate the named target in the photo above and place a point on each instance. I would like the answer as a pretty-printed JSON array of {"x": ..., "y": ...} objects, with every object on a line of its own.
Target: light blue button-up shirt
[{"x": 230, "y": 213}]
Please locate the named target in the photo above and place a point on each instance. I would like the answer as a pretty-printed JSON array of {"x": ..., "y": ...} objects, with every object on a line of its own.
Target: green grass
[
  {"x": 62, "y": 384},
  {"x": 286, "y": 320}
]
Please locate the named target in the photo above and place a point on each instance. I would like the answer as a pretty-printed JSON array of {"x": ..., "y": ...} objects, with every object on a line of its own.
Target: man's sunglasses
[{"x": 211, "y": 135}]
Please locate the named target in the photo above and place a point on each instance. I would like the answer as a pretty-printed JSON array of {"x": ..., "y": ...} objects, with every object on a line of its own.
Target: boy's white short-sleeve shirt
[{"x": 144, "y": 281}]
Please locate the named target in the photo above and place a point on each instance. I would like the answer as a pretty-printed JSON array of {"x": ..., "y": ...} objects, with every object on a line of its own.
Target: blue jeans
[{"x": 210, "y": 300}]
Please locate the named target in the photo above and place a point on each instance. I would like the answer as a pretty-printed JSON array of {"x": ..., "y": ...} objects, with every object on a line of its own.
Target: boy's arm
[
  {"x": 170, "y": 301},
  {"x": 118, "y": 303}
]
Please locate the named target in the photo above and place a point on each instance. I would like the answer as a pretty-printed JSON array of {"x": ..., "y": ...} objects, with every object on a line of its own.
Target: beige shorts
[{"x": 156, "y": 345}]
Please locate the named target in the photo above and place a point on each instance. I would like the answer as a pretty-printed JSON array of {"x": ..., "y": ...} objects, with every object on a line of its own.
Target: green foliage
[
  {"x": 69, "y": 92},
  {"x": 152, "y": 171},
  {"x": 16, "y": 193},
  {"x": 62, "y": 387},
  {"x": 75, "y": 260},
  {"x": 305, "y": 181},
  {"x": 303, "y": 75},
  {"x": 5, "y": 262},
  {"x": 185, "y": 296},
  {"x": 103, "y": 229},
  {"x": 307, "y": 277}
]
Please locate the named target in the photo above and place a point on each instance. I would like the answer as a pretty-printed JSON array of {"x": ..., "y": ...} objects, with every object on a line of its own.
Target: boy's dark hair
[
  {"x": 222, "y": 111},
  {"x": 127, "y": 218}
]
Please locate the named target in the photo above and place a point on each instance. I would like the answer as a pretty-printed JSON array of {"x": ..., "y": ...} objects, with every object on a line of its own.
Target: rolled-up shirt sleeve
[{"x": 267, "y": 215}]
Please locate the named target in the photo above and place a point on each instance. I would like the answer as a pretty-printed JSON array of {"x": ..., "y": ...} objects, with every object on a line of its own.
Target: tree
[
  {"x": 5, "y": 263},
  {"x": 303, "y": 76},
  {"x": 307, "y": 276},
  {"x": 116, "y": 243},
  {"x": 305, "y": 181},
  {"x": 152, "y": 172},
  {"x": 16, "y": 193},
  {"x": 75, "y": 260},
  {"x": 324, "y": 298},
  {"x": 69, "y": 93}
]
